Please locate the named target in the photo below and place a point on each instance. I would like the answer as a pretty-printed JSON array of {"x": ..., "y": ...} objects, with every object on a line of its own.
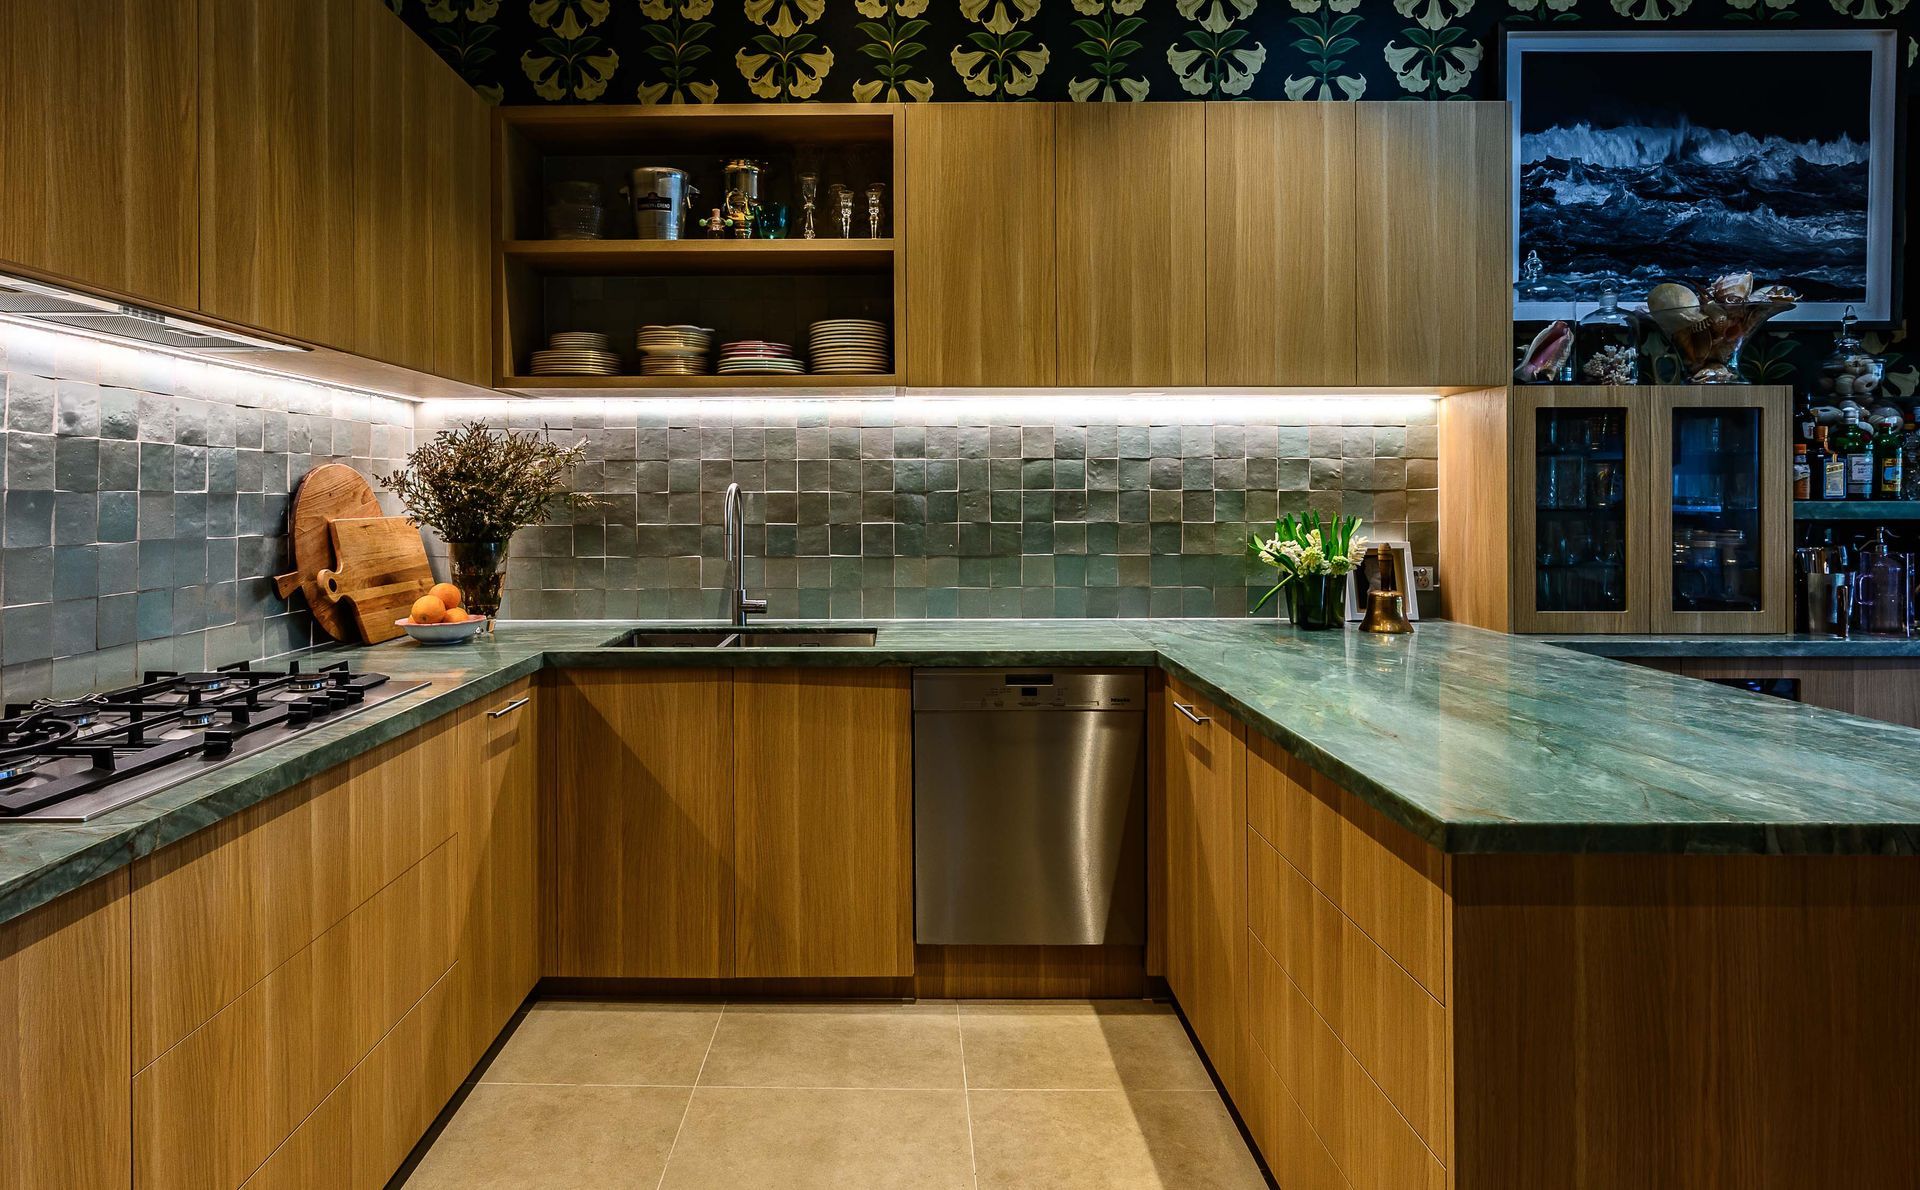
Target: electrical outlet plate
[{"x": 1423, "y": 578}]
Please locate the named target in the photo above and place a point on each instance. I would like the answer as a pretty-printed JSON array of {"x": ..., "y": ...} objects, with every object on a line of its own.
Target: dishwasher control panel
[{"x": 1029, "y": 690}]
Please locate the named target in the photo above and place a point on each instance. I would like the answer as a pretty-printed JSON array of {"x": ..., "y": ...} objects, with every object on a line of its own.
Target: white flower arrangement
[{"x": 1302, "y": 548}]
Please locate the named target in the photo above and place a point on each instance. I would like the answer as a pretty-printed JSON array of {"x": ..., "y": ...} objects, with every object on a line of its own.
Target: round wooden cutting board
[{"x": 328, "y": 492}]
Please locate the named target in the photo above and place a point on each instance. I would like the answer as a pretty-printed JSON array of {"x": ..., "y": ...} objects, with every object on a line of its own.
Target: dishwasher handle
[{"x": 1190, "y": 713}]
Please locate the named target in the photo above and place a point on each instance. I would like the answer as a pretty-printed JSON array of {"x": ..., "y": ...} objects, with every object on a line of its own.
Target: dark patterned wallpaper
[{"x": 737, "y": 51}]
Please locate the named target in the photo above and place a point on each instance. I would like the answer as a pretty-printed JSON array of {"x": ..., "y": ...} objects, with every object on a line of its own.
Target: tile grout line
[
  {"x": 966, "y": 1094},
  {"x": 688, "y": 1110}
]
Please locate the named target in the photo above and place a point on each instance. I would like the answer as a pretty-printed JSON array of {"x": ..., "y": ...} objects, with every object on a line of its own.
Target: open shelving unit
[{"x": 744, "y": 289}]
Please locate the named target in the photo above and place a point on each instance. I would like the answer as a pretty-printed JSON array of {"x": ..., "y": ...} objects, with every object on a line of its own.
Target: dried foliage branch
[{"x": 476, "y": 484}]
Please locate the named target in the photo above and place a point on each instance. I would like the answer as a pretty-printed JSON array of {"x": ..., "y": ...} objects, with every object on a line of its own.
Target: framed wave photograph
[{"x": 1643, "y": 156}]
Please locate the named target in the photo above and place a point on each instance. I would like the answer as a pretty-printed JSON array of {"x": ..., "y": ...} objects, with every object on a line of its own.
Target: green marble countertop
[
  {"x": 1475, "y": 741},
  {"x": 1858, "y": 648}
]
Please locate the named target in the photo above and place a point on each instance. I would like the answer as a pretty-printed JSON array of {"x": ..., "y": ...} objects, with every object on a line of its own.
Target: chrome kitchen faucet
[{"x": 739, "y": 607}]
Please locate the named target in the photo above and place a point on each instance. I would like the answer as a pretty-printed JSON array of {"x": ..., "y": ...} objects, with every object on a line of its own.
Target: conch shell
[
  {"x": 1547, "y": 354},
  {"x": 1731, "y": 289},
  {"x": 1775, "y": 293}
]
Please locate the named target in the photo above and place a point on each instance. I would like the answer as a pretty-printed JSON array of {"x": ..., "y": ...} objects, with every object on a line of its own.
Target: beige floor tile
[
  {"x": 1099, "y": 1140},
  {"x": 822, "y": 1140},
  {"x": 564, "y": 1138},
  {"x": 1103, "y": 1045},
  {"x": 902, "y": 1046},
  {"x": 579, "y": 1041}
]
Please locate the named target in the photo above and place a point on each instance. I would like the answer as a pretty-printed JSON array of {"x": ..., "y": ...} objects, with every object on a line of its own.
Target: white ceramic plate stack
[
  {"x": 679, "y": 350},
  {"x": 576, "y": 353},
  {"x": 757, "y": 357},
  {"x": 848, "y": 347}
]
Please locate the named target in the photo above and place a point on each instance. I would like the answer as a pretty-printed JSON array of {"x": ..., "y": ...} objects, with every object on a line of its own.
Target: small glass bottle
[
  {"x": 1802, "y": 473},
  {"x": 1853, "y": 442},
  {"x": 1889, "y": 462},
  {"x": 1832, "y": 474},
  {"x": 1606, "y": 345},
  {"x": 1910, "y": 461}
]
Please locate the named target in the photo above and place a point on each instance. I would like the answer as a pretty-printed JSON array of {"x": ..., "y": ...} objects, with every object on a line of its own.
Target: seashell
[
  {"x": 1733, "y": 287},
  {"x": 1775, "y": 293},
  {"x": 1547, "y": 354},
  {"x": 1670, "y": 296}
]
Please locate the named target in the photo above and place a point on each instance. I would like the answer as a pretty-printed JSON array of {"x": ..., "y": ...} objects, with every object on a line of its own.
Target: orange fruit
[
  {"x": 448, "y": 594},
  {"x": 457, "y": 615},
  {"x": 427, "y": 610}
]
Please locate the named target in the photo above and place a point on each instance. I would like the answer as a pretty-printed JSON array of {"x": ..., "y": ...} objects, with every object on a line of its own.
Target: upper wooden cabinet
[
  {"x": 1280, "y": 244},
  {"x": 823, "y": 836},
  {"x": 98, "y": 145},
  {"x": 1431, "y": 294},
  {"x": 460, "y": 164},
  {"x": 980, "y": 244},
  {"x": 1132, "y": 253},
  {"x": 400, "y": 152},
  {"x": 277, "y": 165}
]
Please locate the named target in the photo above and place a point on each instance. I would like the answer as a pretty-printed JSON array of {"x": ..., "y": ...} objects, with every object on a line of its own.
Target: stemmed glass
[
  {"x": 842, "y": 208},
  {"x": 875, "y": 193},
  {"x": 809, "y": 192}
]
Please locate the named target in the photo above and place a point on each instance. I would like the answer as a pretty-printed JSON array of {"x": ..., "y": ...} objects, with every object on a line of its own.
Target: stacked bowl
[{"x": 678, "y": 350}]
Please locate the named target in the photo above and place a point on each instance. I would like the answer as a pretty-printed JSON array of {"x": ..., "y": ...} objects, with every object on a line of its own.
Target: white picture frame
[
  {"x": 1403, "y": 555},
  {"x": 1524, "y": 48}
]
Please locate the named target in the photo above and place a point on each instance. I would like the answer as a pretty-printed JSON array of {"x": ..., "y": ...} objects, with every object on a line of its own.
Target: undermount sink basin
[{"x": 716, "y": 638}]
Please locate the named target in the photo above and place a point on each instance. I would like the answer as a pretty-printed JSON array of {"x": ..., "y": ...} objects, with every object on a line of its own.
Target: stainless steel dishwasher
[{"x": 1029, "y": 807}]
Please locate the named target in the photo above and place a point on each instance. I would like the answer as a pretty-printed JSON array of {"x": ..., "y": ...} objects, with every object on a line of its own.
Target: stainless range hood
[{"x": 75, "y": 310}]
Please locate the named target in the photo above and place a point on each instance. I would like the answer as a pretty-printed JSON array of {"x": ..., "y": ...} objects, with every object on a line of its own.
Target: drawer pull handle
[
  {"x": 509, "y": 709},
  {"x": 1189, "y": 712}
]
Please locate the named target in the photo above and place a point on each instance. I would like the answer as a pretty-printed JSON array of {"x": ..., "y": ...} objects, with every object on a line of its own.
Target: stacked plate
[
  {"x": 679, "y": 350},
  {"x": 848, "y": 346},
  {"x": 757, "y": 357},
  {"x": 576, "y": 353}
]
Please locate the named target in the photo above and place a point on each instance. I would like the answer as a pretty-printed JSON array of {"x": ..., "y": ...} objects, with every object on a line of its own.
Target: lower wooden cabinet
[
  {"x": 823, "y": 810},
  {"x": 1204, "y": 785},
  {"x": 64, "y": 1060},
  {"x": 639, "y": 821}
]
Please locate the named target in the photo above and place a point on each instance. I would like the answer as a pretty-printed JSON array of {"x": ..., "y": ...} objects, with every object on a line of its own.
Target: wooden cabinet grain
[
  {"x": 1132, "y": 256},
  {"x": 397, "y": 138},
  {"x": 1430, "y": 244},
  {"x": 98, "y": 103},
  {"x": 1280, "y": 244},
  {"x": 980, "y": 245},
  {"x": 639, "y": 823},
  {"x": 64, "y": 1060},
  {"x": 1204, "y": 783},
  {"x": 277, "y": 166},
  {"x": 497, "y": 742},
  {"x": 461, "y": 208},
  {"x": 823, "y": 841}
]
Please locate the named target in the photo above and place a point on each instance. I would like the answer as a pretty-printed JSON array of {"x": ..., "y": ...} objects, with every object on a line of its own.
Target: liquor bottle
[
  {"x": 1854, "y": 444},
  {"x": 1804, "y": 418},
  {"x": 1910, "y": 461},
  {"x": 1889, "y": 462},
  {"x": 1802, "y": 473},
  {"x": 1833, "y": 469}
]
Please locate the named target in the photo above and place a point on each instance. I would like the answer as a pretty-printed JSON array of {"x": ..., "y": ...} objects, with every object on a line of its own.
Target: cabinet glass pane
[
  {"x": 1716, "y": 510},
  {"x": 1580, "y": 510}
]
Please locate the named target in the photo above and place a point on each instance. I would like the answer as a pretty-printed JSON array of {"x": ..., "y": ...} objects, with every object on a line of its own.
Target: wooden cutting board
[
  {"x": 328, "y": 492},
  {"x": 380, "y": 569}
]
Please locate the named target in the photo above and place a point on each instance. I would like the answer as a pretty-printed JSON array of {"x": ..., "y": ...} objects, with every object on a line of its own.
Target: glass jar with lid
[
  {"x": 1851, "y": 372},
  {"x": 1607, "y": 343}
]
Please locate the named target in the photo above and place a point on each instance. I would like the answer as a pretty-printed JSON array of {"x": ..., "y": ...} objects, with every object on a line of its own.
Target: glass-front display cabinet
[{"x": 1649, "y": 509}]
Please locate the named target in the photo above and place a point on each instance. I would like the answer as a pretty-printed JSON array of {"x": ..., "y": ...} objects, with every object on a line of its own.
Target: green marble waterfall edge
[{"x": 1474, "y": 741}]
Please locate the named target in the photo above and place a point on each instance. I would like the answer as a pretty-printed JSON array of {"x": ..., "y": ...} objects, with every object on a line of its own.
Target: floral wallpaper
[{"x": 736, "y": 51}]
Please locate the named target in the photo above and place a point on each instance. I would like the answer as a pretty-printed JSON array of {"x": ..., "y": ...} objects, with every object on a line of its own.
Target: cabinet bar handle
[
  {"x": 509, "y": 709},
  {"x": 1188, "y": 711}
]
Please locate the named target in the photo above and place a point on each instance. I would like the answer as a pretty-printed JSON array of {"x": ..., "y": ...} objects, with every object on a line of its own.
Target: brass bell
[{"x": 1386, "y": 607}]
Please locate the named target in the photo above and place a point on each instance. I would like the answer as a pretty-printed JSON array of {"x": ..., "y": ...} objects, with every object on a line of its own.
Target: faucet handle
[{"x": 753, "y": 607}]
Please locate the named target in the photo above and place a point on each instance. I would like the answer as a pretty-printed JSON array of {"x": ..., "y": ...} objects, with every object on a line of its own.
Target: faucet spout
[{"x": 739, "y": 607}]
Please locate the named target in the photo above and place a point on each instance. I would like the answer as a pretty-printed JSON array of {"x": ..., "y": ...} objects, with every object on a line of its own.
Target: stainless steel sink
[{"x": 715, "y": 638}]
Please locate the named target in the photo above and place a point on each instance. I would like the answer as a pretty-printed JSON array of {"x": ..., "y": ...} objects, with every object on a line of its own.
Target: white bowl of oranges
[{"x": 438, "y": 619}]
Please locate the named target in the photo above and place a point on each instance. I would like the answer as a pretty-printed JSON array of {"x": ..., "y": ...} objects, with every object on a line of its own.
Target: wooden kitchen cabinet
[
  {"x": 277, "y": 197},
  {"x": 98, "y": 146},
  {"x": 398, "y": 141},
  {"x": 640, "y": 823},
  {"x": 980, "y": 245},
  {"x": 1280, "y": 244},
  {"x": 64, "y": 1062},
  {"x": 1132, "y": 250},
  {"x": 1204, "y": 784},
  {"x": 1431, "y": 297},
  {"x": 823, "y": 837},
  {"x": 461, "y": 211}
]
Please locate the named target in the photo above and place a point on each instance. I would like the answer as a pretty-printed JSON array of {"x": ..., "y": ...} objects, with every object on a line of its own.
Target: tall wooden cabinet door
[
  {"x": 97, "y": 144},
  {"x": 460, "y": 195},
  {"x": 1206, "y": 762},
  {"x": 1132, "y": 250},
  {"x": 1431, "y": 250},
  {"x": 396, "y": 209},
  {"x": 499, "y": 742},
  {"x": 65, "y": 1062},
  {"x": 639, "y": 823},
  {"x": 823, "y": 805},
  {"x": 276, "y": 166},
  {"x": 980, "y": 244},
  {"x": 1280, "y": 243}
]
